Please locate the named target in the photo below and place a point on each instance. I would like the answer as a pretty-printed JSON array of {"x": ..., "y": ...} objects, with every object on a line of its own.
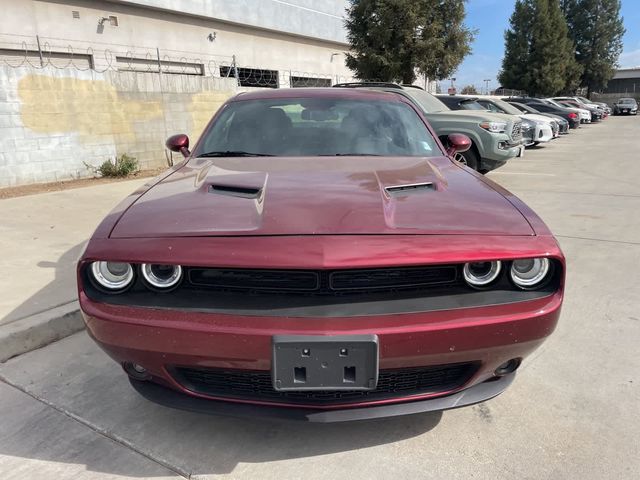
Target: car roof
[
  {"x": 524, "y": 99},
  {"x": 395, "y": 86},
  {"x": 458, "y": 97},
  {"x": 327, "y": 92}
]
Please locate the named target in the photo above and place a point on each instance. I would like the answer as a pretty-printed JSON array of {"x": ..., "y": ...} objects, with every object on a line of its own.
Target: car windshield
[
  {"x": 553, "y": 102},
  {"x": 584, "y": 100},
  {"x": 472, "y": 105},
  {"x": 427, "y": 102},
  {"x": 314, "y": 126},
  {"x": 627, "y": 100},
  {"x": 506, "y": 107},
  {"x": 525, "y": 108}
]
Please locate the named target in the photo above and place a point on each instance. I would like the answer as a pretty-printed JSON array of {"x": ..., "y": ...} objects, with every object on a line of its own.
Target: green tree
[
  {"x": 517, "y": 40},
  {"x": 391, "y": 40},
  {"x": 539, "y": 55},
  {"x": 596, "y": 28},
  {"x": 469, "y": 90}
]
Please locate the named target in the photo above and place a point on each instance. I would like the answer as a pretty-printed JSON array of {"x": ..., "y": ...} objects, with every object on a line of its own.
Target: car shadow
[{"x": 61, "y": 290}]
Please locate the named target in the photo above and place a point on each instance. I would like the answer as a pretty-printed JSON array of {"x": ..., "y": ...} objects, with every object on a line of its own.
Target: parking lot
[{"x": 67, "y": 410}]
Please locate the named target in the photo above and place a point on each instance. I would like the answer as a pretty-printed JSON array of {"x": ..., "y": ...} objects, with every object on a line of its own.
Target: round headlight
[
  {"x": 113, "y": 276},
  {"x": 481, "y": 274},
  {"x": 529, "y": 273},
  {"x": 161, "y": 276}
]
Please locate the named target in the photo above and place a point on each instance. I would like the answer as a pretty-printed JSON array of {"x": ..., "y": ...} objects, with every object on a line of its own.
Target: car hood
[
  {"x": 535, "y": 116},
  {"x": 582, "y": 111},
  {"x": 553, "y": 116},
  {"x": 471, "y": 115},
  {"x": 321, "y": 196}
]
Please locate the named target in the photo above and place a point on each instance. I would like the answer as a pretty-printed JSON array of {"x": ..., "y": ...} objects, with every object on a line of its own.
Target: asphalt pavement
[{"x": 573, "y": 412}]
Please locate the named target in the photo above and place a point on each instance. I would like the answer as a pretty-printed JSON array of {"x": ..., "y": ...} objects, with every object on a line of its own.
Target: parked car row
[
  {"x": 536, "y": 129},
  {"x": 578, "y": 108},
  {"x": 499, "y": 127},
  {"x": 495, "y": 137}
]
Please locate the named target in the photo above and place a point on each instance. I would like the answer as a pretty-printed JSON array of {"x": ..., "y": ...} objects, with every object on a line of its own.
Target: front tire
[{"x": 468, "y": 158}]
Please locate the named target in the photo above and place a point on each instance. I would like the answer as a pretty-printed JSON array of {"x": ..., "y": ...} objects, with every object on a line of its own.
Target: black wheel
[{"x": 468, "y": 158}]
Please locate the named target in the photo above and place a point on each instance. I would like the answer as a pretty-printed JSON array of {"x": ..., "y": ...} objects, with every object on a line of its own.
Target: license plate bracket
[{"x": 329, "y": 363}]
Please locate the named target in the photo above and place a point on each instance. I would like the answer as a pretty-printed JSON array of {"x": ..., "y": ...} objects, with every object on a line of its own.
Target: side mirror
[
  {"x": 179, "y": 143},
  {"x": 458, "y": 143}
]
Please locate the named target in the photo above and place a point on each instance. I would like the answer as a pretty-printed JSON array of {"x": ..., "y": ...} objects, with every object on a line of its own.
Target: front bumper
[
  {"x": 498, "y": 149},
  {"x": 488, "y": 336},
  {"x": 543, "y": 134},
  {"x": 170, "y": 398}
]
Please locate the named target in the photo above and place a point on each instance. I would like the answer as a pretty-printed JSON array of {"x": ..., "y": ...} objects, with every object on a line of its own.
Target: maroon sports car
[{"x": 320, "y": 256}]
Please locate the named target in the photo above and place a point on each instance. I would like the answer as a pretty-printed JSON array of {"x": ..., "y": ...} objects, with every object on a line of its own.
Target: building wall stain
[{"x": 55, "y": 122}]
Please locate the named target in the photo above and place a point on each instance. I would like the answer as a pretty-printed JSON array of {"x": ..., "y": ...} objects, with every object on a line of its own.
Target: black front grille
[
  {"x": 255, "y": 279},
  {"x": 321, "y": 281},
  {"x": 256, "y": 385},
  {"x": 390, "y": 278}
]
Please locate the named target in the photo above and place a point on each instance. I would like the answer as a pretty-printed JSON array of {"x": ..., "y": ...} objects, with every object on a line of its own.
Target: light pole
[{"x": 452, "y": 88}]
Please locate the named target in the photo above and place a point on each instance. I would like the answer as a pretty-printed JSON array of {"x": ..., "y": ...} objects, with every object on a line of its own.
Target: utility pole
[{"x": 486, "y": 83}]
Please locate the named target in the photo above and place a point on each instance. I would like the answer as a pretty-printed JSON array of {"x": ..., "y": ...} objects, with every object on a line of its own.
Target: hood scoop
[
  {"x": 297, "y": 196},
  {"x": 236, "y": 191},
  {"x": 410, "y": 188}
]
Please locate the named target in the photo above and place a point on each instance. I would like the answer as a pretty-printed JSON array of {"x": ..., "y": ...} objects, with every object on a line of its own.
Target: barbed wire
[
  {"x": 47, "y": 52},
  {"x": 43, "y": 53}
]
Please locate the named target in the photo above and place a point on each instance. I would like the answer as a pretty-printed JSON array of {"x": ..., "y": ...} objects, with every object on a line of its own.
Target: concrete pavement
[
  {"x": 572, "y": 412},
  {"x": 41, "y": 237}
]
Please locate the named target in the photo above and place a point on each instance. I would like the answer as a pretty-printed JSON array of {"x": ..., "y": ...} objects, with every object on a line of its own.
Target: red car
[{"x": 320, "y": 256}]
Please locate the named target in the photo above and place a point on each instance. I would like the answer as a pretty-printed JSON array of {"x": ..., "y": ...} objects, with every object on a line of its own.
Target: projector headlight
[
  {"x": 481, "y": 274},
  {"x": 529, "y": 273},
  {"x": 112, "y": 276},
  {"x": 161, "y": 276}
]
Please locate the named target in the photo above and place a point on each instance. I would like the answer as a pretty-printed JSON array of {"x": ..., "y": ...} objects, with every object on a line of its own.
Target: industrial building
[
  {"x": 626, "y": 80},
  {"x": 269, "y": 42}
]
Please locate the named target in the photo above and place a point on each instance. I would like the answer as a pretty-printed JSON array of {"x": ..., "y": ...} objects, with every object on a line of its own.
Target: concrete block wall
[{"x": 53, "y": 122}]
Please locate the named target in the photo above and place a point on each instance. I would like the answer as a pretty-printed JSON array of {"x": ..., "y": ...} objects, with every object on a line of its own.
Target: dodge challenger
[{"x": 318, "y": 255}]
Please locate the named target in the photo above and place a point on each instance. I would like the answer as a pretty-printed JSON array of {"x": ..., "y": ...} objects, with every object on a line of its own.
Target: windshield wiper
[{"x": 234, "y": 153}]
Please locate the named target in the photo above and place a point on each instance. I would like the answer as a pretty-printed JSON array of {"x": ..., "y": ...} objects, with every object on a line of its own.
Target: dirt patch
[{"x": 35, "y": 188}]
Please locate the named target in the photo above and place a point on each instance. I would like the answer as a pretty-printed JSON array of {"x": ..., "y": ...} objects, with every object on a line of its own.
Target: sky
[{"x": 491, "y": 19}]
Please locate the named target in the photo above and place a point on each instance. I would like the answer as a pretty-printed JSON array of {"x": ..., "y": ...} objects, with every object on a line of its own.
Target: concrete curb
[{"x": 38, "y": 330}]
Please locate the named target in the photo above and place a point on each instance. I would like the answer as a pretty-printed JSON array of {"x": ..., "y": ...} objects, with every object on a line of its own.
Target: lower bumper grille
[{"x": 256, "y": 385}]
